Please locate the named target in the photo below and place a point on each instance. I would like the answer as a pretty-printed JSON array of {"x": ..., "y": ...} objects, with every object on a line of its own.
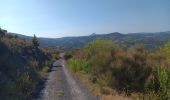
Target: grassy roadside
[{"x": 105, "y": 93}]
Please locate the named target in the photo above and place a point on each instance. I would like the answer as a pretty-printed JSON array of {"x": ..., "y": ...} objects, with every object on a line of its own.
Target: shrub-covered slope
[
  {"x": 21, "y": 67},
  {"x": 132, "y": 70}
]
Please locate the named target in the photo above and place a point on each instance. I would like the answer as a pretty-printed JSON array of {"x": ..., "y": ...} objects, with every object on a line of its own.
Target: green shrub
[
  {"x": 165, "y": 50},
  {"x": 99, "y": 45},
  {"x": 100, "y": 55},
  {"x": 160, "y": 83},
  {"x": 118, "y": 68},
  {"x": 67, "y": 55},
  {"x": 79, "y": 65},
  {"x": 129, "y": 70},
  {"x": 25, "y": 86},
  {"x": 79, "y": 53}
]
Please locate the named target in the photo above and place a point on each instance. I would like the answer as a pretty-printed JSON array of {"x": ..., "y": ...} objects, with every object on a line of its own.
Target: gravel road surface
[{"x": 61, "y": 85}]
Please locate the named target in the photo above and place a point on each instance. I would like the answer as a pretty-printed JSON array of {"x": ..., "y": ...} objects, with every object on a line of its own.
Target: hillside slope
[{"x": 21, "y": 67}]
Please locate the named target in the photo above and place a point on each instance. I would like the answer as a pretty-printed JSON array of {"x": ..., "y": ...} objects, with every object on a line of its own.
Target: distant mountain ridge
[{"x": 151, "y": 40}]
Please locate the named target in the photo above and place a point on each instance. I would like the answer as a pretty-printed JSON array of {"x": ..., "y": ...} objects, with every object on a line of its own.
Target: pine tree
[{"x": 35, "y": 41}]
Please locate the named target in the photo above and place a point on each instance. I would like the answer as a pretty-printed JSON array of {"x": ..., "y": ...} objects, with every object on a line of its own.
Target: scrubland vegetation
[
  {"x": 106, "y": 67},
  {"x": 22, "y": 67},
  {"x": 130, "y": 71}
]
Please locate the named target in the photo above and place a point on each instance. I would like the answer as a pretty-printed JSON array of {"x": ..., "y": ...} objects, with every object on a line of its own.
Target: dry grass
[
  {"x": 105, "y": 93},
  {"x": 115, "y": 97},
  {"x": 59, "y": 93}
]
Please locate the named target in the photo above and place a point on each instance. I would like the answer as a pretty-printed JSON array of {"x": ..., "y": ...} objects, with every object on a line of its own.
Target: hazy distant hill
[{"x": 149, "y": 40}]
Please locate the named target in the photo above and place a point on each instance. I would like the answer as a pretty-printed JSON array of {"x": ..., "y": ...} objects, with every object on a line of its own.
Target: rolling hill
[{"x": 150, "y": 40}]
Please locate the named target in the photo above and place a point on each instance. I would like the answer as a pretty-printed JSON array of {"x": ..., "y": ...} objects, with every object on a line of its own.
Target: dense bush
[
  {"x": 67, "y": 55},
  {"x": 82, "y": 65},
  {"x": 100, "y": 46},
  {"x": 131, "y": 70},
  {"x": 25, "y": 86},
  {"x": 99, "y": 54},
  {"x": 159, "y": 84},
  {"x": 166, "y": 50},
  {"x": 118, "y": 68}
]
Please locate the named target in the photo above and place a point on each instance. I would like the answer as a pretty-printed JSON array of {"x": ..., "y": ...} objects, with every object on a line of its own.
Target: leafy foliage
[
  {"x": 82, "y": 65},
  {"x": 25, "y": 86},
  {"x": 99, "y": 45},
  {"x": 159, "y": 84},
  {"x": 67, "y": 55},
  {"x": 166, "y": 49}
]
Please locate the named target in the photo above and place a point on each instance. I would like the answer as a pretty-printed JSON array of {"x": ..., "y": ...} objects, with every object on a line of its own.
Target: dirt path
[{"x": 61, "y": 85}]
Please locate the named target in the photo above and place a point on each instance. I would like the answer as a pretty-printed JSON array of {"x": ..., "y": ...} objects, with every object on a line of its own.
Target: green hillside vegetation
[
  {"x": 132, "y": 70},
  {"x": 22, "y": 67}
]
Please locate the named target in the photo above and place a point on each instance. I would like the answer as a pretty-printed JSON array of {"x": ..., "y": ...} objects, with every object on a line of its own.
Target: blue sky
[{"x": 60, "y": 18}]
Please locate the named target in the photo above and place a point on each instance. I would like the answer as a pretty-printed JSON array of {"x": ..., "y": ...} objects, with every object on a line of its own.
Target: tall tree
[
  {"x": 35, "y": 41},
  {"x": 2, "y": 32}
]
